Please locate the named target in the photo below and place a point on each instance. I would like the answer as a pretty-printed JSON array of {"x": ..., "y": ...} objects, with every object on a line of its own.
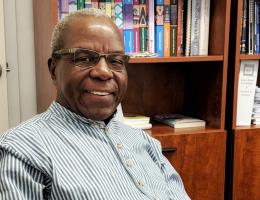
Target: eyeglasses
[{"x": 86, "y": 58}]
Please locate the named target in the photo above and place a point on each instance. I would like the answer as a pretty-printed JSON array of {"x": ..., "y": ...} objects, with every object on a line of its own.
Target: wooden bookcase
[
  {"x": 195, "y": 86},
  {"x": 243, "y": 157}
]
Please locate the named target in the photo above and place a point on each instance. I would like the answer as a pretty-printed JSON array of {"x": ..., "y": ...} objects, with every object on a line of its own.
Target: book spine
[
  {"x": 257, "y": 50},
  {"x": 195, "y": 27},
  {"x": 80, "y": 4},
  {"x": 246, "y": 91},
  {"x": 136, "y": 25},
  {"x": 204, "y": 27},
  {"x": 118, "y": 9},
  {"x": 166, "y": 27},
  {"x": 128, "y": 26},
  {"x": 251, "y": 27},
  {"x": 94, "y": 4},
  {"x": 108, "y": 9},
  {"x": 87, "y": 4},
  {"x": 64, "y": 8},
  {"x": 102, "y": 5},
  {"x": 188, "y": 29},
  {"x": 243, "y": 42},
  {"x": 159, "y": 49},
  {"x": 129, "y": 41},
  {"x": 151, "y": 36},
  {"x": 143, "y": 26},
  {"x": 173, "y": 27},
  {"x": 179, "y": 31}
]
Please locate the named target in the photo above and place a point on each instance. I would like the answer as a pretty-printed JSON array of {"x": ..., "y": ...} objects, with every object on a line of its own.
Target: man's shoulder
[{"x": 24, "y": 131}]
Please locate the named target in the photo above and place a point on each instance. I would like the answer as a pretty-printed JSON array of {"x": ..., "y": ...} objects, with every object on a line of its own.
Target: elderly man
[{"x": 77, "y": 150}]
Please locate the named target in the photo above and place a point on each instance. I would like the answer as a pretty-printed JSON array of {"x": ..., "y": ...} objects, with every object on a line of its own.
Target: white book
[
  {"x": 151, "y": 26},
  {"x": 188, "y": 29},
  {"x": 246, "y": 91},
  {"x": 195, "y": 27},
  {"x": 204, "y": 28}
]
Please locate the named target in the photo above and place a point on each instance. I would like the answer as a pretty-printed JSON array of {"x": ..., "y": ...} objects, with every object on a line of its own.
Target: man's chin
[{"x": 99, "y": 115}]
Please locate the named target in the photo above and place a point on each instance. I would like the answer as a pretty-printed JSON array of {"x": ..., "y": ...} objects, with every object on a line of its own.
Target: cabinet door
[
  {"x": 246, "y": 180},
  {"x": 3, "y": 80},
  {"x": 200, "y": 161}
]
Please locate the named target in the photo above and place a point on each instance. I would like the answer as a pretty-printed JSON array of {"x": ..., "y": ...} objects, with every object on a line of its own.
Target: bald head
[{"x": 91, "y": 17}]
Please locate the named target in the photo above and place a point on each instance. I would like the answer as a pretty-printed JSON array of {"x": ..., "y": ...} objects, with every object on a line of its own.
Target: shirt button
[
  {"x": 141, "y": 183},
  {"x": 129, "y": 163},
  {"x": 119, "y": 146},
  {"x": 154, "y": 196}
]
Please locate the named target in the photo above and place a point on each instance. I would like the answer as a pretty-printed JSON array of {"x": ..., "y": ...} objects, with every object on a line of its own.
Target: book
[
  {"x": 251, "y": 32},
  {"x": 257, "y": 28},
  {"x": 246, "y": 91},
  {"x": 195, "y": 27},
  {"x": 166, "y": 27},
  {"x": 180, "y": 28},
  {"x": 173, "y": 27},
  {"x": 80, "y": 4},
  {"x": 243, "y": 36},
  {"x": 117, "y": 9},
  {"x": 136, "y": 20},
  {"x": 179, "y": 121},
  {"x": 128, "y": 31},
  {"x": 188, "y": 28},
  {"x": 94, "y": 4},
  {"x": 143, "y": 26},
  {"x": 108, "y": 7},
  {"x": 72, "y": 5},
  {"x": 87, "y": 4},
  {"x": 64, "y": 8},
  {"x": 138, "y": 121},
  {"x": 151, "y": 36},
  {"x": 159, "y": 40},
  {"x": 204, "y": 28}
]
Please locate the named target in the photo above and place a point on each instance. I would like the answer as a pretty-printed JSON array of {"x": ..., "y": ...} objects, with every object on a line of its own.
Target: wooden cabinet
[
  {"x": 247, "y": 164},
  {"x": 199, "y": 158},
  {"x": 243, "y": 151},
  {"x": 194, "y": 86}
]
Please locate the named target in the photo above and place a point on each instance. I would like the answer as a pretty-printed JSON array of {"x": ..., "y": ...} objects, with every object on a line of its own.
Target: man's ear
[{"x": 52, "y": 66}]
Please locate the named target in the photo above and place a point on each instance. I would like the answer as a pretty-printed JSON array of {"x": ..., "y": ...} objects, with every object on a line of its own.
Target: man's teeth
[{"x": 99, "y": 93}]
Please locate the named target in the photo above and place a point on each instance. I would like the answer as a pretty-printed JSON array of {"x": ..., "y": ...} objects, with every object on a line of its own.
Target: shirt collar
[{"x": 62, "y": 112}]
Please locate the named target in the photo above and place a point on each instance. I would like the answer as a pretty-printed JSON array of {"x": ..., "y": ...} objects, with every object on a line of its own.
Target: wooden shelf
[
  {"x": 177, "y": 59},
  {"x": 249, "y": 57},
  {"x": 164, "y": 130},
  {"x": 252, "y": 127}
]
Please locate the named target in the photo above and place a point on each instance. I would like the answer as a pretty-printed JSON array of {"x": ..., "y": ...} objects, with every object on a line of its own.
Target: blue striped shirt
[{"x": 60, "y": 155}]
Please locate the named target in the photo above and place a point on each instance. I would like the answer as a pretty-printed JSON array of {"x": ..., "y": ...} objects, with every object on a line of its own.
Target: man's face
[{"x": 91, "y": 92}]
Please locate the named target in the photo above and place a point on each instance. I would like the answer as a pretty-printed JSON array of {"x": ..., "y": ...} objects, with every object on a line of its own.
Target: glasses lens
[
  {"x": 85, "y": 58},
  {"x": 117, "y": 61}
]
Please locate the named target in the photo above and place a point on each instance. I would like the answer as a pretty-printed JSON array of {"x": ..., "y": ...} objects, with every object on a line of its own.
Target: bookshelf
[
  {"x": 243, "y": 157},
  {"x": 195, "y": 86}
]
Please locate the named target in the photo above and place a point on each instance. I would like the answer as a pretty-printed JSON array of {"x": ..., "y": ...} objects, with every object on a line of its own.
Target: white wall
[
  {"x": 21, "y": 82},
  {"x": 3, "y": 81}
]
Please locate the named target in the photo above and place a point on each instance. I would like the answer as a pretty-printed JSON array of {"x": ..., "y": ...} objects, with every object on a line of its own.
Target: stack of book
[
  {"x": 256, "y": 107},
  {"x": 250, "y": 38},
  {"x": 138, "y": 121},
  {"x": 179, "y": 121},
  {"x": 164, "y": 27}
]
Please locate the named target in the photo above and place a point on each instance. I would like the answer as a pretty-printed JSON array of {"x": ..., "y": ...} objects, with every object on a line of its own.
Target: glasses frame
[{"x": 59, "y": 53}]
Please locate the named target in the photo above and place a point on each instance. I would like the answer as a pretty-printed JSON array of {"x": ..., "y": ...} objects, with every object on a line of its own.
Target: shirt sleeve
[
  {"x": 173, "y": 180},
  {"x": 175, "y": 186},
  {"x": 19, "y": 180}
]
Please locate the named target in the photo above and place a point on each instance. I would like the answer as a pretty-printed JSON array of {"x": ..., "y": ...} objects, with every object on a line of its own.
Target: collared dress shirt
[{"x": 60, "y": 155}]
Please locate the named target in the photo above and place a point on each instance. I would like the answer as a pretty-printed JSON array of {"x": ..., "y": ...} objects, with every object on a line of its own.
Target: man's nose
[{"x": 101, "y": 70}]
